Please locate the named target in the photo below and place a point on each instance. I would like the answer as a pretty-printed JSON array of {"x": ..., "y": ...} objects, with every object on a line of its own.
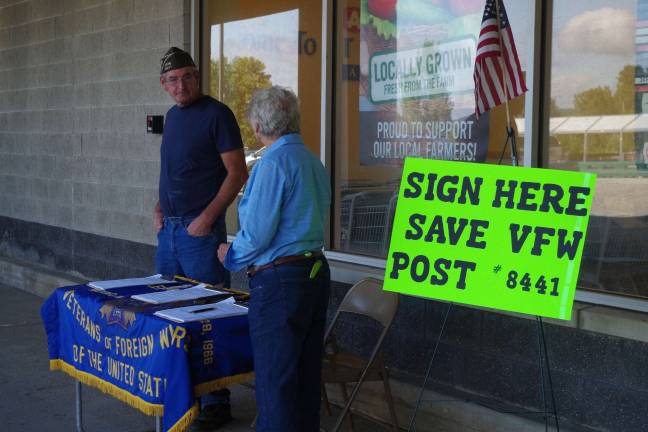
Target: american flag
[{"x": 498, "y": 75}]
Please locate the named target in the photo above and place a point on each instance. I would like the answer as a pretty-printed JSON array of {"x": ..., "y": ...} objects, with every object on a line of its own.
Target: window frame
[{"x": 350, "y": 267}]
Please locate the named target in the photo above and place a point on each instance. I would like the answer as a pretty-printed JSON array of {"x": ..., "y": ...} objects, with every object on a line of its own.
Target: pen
[{"x": 203, "y": 310}]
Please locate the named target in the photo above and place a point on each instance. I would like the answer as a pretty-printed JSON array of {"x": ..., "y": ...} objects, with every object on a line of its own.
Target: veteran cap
[{"x": 175, "y": 58}]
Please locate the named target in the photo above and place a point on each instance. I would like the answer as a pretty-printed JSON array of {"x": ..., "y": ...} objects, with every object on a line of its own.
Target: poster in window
[
  {"x": 641, "y": 81},
  {"x": 416, "y": 84}
]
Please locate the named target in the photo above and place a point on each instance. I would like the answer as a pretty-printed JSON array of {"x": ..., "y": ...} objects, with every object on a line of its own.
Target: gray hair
[{"x": 275, "y": 111}]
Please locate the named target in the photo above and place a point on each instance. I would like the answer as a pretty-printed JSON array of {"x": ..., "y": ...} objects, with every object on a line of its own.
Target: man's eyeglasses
[{"x": 174, "y": 81}]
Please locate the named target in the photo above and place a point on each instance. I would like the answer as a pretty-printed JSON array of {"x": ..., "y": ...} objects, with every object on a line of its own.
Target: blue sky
[
  {"x": 270, "y": 38},
  {"x": 592, "y": 41}
]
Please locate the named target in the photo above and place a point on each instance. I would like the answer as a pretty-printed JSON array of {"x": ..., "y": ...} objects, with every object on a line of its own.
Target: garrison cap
[{"x": 175, "y": 58}]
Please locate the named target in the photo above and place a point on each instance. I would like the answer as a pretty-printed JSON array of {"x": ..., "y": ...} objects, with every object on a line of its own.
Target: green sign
[{"x": 508, "y": 238}]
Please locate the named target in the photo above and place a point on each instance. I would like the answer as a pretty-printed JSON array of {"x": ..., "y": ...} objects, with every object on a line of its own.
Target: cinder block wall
[{"x": 77, "y": 78}]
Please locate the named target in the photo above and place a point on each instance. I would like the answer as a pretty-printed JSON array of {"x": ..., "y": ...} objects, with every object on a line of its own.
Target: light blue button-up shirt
[{"x": 284, "y": 207}]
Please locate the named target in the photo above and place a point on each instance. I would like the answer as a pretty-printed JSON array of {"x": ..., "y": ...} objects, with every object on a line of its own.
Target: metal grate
[{"x": 366, "y": 219}]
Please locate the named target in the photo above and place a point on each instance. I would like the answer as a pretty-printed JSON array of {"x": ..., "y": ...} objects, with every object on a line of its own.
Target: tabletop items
[
  {"x": 118, "y": 283},
  {"x": 184, "y": 298}
]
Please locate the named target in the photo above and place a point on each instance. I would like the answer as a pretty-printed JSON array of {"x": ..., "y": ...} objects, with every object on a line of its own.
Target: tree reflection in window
[{"x": 241, "y": 78}]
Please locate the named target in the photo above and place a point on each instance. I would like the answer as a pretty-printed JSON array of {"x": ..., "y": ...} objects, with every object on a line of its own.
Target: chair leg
[
  {"x": 349, "y": 419},
  {"x": 390, "y": 400},
  {"x": 253, "y": 424},
  {"x": 327, "y": 403}
]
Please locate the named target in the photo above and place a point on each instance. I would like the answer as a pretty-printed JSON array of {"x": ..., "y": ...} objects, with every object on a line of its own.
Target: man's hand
[
  {"x": 157, "y": 218},
  {"x": 222, "y": 251},
  {"x": 234, "y": 161},
  {"x": 199, "y": 227}
]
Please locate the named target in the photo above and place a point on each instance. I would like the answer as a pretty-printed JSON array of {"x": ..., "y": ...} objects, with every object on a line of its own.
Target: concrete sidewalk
[{"x": 36, "y": 400}]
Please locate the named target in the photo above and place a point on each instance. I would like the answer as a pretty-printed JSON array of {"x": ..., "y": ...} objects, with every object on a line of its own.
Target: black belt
[{"x": 252, "y": 270}]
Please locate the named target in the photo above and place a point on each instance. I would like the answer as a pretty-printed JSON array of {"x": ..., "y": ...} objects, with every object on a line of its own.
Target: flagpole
[
  {"x": 509, "y": 127},
  {"x": 501, "y": 60}
]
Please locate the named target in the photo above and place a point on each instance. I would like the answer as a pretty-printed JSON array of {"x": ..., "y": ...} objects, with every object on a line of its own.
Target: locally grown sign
[
  {"x": 423, "y": 72},
  {"x": 415, "y": 81},
  {"x": 507, "y": 238}
]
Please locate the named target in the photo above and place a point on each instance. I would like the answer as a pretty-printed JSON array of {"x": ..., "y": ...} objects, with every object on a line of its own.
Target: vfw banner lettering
[{"x": 508, "y": 238}]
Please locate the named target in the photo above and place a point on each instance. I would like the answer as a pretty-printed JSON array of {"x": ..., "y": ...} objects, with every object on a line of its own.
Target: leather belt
[{"x": 252, "y": 270}]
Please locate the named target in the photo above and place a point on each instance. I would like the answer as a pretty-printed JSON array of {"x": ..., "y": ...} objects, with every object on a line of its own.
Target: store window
[
  {"x": 599, "y": 123},
  {"x": 253, "y": 44},
  {"x": 390, "y": 104}
]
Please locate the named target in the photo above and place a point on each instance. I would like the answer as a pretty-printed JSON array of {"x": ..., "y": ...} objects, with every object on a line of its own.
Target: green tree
[
  {"x": 554, "y": 109},
  {"x": 602, "y": 101},
  {"x": 241, "y": 78},
  {"x": 595, "y": 101},
  {"x": 625, "y": 90}
]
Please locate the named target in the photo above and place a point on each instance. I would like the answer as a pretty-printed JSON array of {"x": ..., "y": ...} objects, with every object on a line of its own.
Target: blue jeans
[
  {"x": 287, "y": 318},
  {"x": 179, "y": 253}
]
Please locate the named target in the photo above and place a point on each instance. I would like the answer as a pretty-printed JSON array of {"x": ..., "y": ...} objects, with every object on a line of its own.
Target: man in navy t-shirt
[{"x": 202, "y": 170}]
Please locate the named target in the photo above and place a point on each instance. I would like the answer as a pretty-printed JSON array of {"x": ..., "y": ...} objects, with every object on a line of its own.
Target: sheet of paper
[
  {"x": 195, "y": 292},
  {"x": 118, "y": 283},
  {"x": 222, "y": 309}
]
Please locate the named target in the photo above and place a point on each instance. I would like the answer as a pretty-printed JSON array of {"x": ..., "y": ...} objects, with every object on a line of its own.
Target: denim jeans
[
  {"x": 179, "y": 253},
  {"x": 287, "y": 318}
]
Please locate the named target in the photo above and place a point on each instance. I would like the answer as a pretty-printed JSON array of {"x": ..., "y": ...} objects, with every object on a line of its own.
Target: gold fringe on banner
[
  {"x": 111, "y": 389},
  {"x": 185, "y": 420},
  {"x": 214, "y": 385},
  {"x": 147, "y": 407}
]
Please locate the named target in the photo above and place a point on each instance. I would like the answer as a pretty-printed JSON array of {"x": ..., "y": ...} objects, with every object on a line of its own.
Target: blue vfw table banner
[{"x": 107, "y": 340}]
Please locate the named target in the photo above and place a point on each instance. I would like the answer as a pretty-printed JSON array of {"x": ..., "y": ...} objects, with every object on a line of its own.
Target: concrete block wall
[{"x": 77, "y": 79}]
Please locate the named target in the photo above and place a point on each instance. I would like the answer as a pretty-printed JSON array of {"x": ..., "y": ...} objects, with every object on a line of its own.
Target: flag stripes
[{"x": 498, "y": 73}]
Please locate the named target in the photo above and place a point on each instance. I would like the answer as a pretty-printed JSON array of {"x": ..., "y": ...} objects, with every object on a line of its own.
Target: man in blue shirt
[
  {"x": 282, "y": 216},
  {"x": 202, "y": 170}
]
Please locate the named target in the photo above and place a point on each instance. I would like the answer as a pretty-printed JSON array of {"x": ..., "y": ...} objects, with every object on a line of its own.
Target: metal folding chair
[{"x": 365, "y": 298}]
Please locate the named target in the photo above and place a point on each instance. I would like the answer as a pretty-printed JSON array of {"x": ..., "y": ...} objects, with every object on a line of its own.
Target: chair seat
[{"x": 345, "y": 367}]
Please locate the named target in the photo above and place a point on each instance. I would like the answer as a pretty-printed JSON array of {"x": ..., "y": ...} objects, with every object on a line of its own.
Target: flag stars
[{"x": 490, "y": 12}]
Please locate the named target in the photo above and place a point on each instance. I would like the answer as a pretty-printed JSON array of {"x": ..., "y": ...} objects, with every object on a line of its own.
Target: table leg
[
  {"x": 79, "y": 412},
  {"x": 79, "y": 408}
]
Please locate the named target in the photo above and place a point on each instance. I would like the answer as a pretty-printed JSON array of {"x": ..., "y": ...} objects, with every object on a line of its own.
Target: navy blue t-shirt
[{"x": 191, "y": 170}]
